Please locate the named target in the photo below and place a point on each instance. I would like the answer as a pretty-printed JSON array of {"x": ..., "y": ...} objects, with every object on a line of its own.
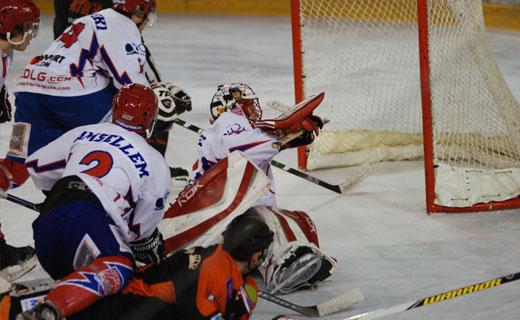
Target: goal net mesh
[{"x": 365, "y": 55}]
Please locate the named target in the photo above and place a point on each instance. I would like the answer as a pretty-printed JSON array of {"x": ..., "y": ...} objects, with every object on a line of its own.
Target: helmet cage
[
  {"x": 28, "y": 28},
  {"x": 238, "y": 98}
]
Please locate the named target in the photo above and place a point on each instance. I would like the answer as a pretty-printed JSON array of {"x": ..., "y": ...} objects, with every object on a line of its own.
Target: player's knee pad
[
  {"x": 104, "y": 276},
  {"x": 297, "y": 266}
]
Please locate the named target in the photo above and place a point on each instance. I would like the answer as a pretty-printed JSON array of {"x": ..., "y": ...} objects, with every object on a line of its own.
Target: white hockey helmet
[{"x": 238, "y": 98}]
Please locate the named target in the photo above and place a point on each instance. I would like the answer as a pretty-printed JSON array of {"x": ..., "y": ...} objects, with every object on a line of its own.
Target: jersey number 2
[{"x": 103, "y": 165}]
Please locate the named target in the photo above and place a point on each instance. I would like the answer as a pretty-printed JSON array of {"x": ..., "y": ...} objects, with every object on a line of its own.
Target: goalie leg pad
[{"x": 205, "y": 207}]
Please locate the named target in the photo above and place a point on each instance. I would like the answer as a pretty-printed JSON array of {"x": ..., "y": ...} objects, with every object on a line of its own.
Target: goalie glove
[
  {"x": 149, "y": 250},
  {"x": 302, "y": 136},
  {"x": 305, "y": 137},
  {"x": 173, "y": 101},
  {"x": 5, "y": 106},
  {"x": 295, "y": 122}
]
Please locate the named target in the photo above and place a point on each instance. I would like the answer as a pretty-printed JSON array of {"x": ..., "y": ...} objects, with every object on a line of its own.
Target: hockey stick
[
  {"x": 345, "y": 185},
  {"x": 336, "y": 304},
  {"x": 348, "y": 183},
  {"x": 20, "y": 201},
  {"x": 376, "y": 314}
]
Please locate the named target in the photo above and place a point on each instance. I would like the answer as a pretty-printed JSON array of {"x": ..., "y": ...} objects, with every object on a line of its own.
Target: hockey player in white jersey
[
  {"x": 19, "y": 24},
  {"x": 295, "y": 261},
  {"x": 173, "y": 100},
  {"x": 236, "y": 125},
  {"x": 106, "y": 194},
  {"x": 73, "y": 82}
]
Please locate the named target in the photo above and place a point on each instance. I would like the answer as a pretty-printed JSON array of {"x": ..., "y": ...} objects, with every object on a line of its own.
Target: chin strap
[{"x": 17, "y": 43}]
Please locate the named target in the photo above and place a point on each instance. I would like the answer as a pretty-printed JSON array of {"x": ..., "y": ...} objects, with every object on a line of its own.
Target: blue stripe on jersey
[
  {"x": 60, "y": 164},
  {"x": 245, "y": 147}
]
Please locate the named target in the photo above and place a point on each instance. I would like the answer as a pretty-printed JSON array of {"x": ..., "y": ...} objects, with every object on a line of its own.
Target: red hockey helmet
[
  {"x": 19, "y": 14},
  {"x": 135, "y": 108},
  {"x": 141, "y": 8}
]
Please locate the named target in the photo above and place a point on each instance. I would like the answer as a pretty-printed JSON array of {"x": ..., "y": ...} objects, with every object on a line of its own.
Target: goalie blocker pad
[{"x": 204, "y": 208}]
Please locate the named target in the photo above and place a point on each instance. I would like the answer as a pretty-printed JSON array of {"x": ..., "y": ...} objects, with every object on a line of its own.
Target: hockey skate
[{"x": 15, "y": 262}]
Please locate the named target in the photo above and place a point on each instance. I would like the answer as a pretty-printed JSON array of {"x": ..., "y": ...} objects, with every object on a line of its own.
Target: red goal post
[{"x": 397, "y": 73}]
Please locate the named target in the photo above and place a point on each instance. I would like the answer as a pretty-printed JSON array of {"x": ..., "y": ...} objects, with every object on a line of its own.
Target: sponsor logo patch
[{"x": 135, "y": 48}]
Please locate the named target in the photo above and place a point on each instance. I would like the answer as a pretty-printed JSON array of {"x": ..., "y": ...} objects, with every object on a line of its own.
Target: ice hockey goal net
[{"x": 397, "y": 73}]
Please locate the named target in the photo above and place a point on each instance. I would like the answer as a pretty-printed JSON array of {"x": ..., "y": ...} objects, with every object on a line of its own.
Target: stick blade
[
  {"x": 355, "y": 178},
  {"x": 341, "y": 302}
]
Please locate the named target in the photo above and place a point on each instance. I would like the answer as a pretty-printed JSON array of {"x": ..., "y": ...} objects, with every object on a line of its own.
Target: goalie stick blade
[
  {"x": 462, "y": 291},
  {"x": 357, "y": 176},
  {"x": 336, "y": 304}
]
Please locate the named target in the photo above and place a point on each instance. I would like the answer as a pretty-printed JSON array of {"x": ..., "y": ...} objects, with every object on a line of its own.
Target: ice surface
[{"x": 384, "y": 242}]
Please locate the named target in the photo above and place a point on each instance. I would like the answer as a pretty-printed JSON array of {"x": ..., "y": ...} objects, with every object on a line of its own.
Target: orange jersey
[{"x": 192, "y": 284}]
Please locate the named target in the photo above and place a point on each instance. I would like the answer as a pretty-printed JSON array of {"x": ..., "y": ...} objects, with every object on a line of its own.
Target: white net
[{"x": 365, "y": 55}]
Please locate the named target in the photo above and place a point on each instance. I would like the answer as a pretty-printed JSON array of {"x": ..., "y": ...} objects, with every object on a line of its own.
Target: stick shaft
[
  {"x": 20, "y": 201},
  {"x": 274, "y": 163},
  {"x": 376, "y": 314}
]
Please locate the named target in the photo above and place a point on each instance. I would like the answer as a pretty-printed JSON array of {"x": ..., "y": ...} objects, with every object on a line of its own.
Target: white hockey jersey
[
  {"x": 5, "y": 64},
  {"x": 120, "y": 168},
  {"x": 231, "y": 132},
  {"x": 94, "y": 51}
]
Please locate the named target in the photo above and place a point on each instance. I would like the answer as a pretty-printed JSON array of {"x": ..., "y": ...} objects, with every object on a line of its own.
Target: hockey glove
[
  {"x": 236, "y": 307},
  {"x": 173, "y": 101},
  {"x": 42, "y": 311},
  {"x": 306, "y": 138},
  {"x": 5, "y": 106},
  {"x": 12, "y": 174},
  {"x": 182, "y": 100},
  {"x": 149, "y": 250}
]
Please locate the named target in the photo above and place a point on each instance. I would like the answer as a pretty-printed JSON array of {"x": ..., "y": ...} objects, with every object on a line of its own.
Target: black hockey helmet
[{"x": 245, "y": 235}]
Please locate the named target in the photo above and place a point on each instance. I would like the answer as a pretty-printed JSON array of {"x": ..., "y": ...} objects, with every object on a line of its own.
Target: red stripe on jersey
[{"x": 289, "y": 234}]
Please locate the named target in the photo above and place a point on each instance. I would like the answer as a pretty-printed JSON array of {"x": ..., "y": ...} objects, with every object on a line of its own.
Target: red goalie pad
[
  {"x": 297, "y": 120},
  {"x": 202, "y": 210}
]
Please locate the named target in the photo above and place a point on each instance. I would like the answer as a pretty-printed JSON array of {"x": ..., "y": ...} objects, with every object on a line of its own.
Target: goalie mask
[
  {"x": 238, "y": 98},
  {"x": 18, "y": 17},
  {"x": 135, "y": 108}
]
